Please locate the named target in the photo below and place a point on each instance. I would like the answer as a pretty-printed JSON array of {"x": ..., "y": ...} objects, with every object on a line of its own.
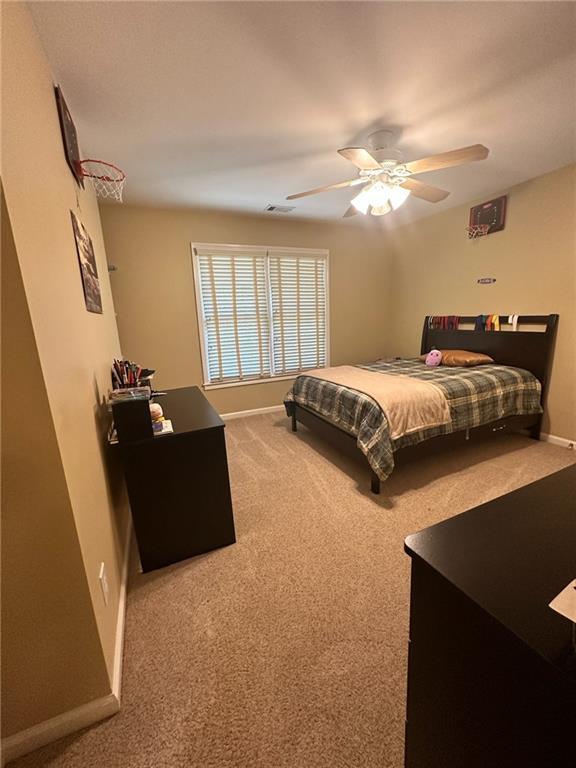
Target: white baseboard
[
  {"x": 253, "y": 412},
  {"x": 563, "y": 442},
  {"x": 62, "y": 725},
  {"x": 46, "y": 732},
  {"x": 119, "y": 643}
]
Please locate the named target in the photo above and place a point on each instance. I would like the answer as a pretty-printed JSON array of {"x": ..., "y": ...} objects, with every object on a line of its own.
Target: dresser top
[
  {"x": 188, "y": 410},
  {"x": 512, "y": 556}
]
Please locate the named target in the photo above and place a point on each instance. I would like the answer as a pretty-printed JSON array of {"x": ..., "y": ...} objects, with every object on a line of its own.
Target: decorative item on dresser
[{"x": 528, "y": 350}]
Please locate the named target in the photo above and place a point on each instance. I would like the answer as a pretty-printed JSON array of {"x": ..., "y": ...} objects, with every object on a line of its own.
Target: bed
[{"x": 492, "y": 399}]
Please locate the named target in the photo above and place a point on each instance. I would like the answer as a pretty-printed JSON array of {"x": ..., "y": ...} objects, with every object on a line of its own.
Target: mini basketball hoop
[
  {"x": 107, "y": 179},
  {"x": 477, "y": 230}
]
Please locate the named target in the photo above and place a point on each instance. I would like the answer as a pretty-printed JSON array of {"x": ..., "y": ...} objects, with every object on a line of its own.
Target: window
[{"x": 262, "y": 312}]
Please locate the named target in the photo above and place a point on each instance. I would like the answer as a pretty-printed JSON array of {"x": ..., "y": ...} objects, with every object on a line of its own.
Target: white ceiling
[{"x": 234, "y": 105}]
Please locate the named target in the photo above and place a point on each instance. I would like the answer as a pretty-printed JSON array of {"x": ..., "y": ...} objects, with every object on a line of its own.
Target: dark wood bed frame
[{"x": 531, "y": 350}]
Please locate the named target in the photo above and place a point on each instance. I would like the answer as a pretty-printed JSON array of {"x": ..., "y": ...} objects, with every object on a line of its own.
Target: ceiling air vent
[{"x": 279, "y": 208}]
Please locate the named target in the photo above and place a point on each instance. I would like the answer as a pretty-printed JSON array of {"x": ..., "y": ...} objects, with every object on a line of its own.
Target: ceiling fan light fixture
[
  {"x": 380, "y": 198},
  {"x": 379, "y": 194},
  {"x": 388, "y": 177},
  {"x": 376, "y": 195},
  {"x": 362, "y": 201},
  {"x": 398, "y": 196},
  {"x": 380, "y": 210}
]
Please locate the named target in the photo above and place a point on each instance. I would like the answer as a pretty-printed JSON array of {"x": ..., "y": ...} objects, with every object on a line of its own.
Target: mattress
[{"x": 475, "y": 396}]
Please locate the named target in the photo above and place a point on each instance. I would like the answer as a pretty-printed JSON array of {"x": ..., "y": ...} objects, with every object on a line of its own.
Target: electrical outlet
[{"x": 103, "y": 583}]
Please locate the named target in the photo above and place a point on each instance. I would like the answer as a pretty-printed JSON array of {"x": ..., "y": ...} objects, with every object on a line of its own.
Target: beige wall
[
  {"x": 51, "y": 656},
  {"x": 382, "y": 282},
  {"x": 435, "y": 269},
  {"x": 74, "y": 347},
  {"x": 154, "y": 289}
]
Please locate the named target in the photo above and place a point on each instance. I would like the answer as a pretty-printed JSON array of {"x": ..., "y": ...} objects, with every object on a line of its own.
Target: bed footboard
[
  {"x": 335, "y": 436},
  {"x": 346, "y": 443}
]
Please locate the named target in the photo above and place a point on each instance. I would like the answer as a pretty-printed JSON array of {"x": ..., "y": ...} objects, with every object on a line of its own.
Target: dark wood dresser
[
  {"x": 178, "y": 483},
  {"x": 491, "y": 673}
]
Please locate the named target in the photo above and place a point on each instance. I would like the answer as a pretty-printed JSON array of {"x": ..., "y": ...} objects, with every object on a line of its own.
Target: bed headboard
[{"x": 531, "y": 350}]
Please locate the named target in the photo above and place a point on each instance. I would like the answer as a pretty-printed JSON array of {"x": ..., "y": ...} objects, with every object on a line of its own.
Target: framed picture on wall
[
  {"x": 69, "y": 137},
  {"x": 88, "y": 269}
]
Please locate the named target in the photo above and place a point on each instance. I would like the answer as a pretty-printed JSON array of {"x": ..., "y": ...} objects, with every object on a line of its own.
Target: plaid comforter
[{"x": 475, "y": 396}]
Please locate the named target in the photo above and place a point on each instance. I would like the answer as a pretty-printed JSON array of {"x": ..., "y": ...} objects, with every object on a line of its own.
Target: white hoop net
[
  {"x": 477, "y": 230},
  {"x": 107, "y": 179}
]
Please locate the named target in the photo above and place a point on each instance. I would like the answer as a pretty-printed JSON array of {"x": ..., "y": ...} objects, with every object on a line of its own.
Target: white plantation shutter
[
  {"x": 235, "y": 313},
  {"x": 298, "y": 290},
  {"x": 262, "y": 311}
]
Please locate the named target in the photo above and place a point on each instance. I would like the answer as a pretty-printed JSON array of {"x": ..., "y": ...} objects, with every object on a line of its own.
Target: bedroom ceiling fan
[{"x": 388, "y": 180}]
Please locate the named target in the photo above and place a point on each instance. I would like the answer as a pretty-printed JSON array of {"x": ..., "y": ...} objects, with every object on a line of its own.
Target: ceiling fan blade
[
  {"x": 360, "y": 157},
  {"x": 424, "y": 191},
  {"x": 448, "y": 159},
  {"x": 349, "y": 183},
  {"x": 351, "y": 211}
]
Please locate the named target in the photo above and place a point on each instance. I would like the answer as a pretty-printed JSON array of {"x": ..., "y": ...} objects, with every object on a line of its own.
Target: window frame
[{"x": 256, "y": 250}]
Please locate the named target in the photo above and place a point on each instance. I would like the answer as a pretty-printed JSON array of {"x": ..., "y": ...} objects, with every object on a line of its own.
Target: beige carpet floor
[{"x": 288, "y": 649}]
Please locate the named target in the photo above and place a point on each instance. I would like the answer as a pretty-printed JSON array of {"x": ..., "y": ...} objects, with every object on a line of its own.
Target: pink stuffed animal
[{"x": 434, "y": 357}]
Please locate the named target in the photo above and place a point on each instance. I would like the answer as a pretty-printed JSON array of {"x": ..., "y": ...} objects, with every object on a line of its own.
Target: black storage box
[{"x": 132, "y": 420}]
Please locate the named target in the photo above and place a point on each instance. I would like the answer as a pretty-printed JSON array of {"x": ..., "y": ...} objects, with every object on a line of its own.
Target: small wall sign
[{"x": 486, "y": 280}]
